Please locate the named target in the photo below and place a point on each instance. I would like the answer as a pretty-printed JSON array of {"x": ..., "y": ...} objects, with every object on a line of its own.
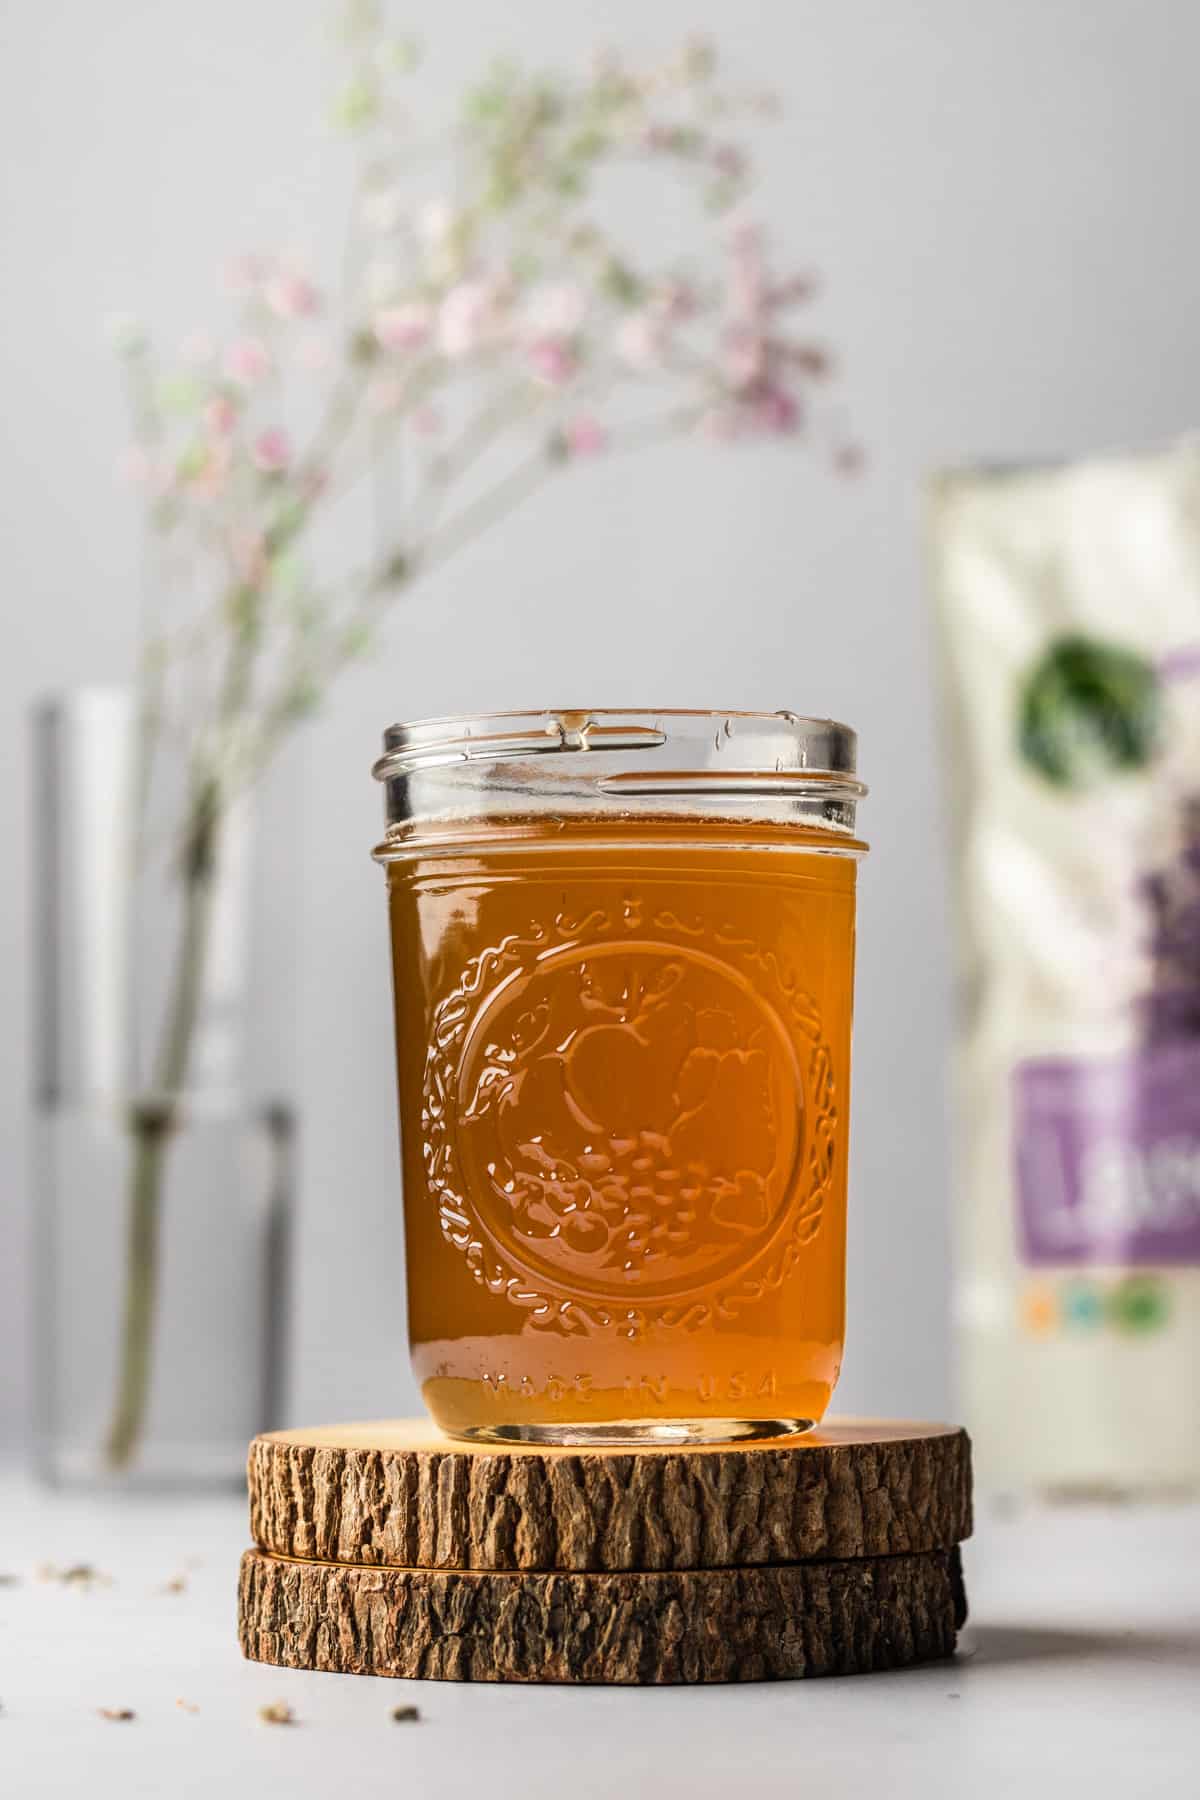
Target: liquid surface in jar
[{"x": 624, "y": 1079}]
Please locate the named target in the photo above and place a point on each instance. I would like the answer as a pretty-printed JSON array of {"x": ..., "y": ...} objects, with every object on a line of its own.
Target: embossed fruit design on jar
[{"x": 622, "y": 948}]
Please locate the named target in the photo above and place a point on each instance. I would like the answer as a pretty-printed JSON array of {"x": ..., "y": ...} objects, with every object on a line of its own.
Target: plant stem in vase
[{"x": 151, "y": 1123}]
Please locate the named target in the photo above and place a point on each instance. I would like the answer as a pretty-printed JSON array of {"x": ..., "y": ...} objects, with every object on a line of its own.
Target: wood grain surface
[
  {"x": 704, "y": 1625},
  {"x": 396, "y": 1494}
]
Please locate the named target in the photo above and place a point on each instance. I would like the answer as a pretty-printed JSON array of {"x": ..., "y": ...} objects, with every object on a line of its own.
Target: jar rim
[
  {"x": 512, "y": 772},
  {"x": 746, "y": 743}
]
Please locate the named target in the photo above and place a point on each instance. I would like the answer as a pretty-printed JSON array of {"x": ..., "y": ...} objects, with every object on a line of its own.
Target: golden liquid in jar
[{"x": 623, "y": 1079}]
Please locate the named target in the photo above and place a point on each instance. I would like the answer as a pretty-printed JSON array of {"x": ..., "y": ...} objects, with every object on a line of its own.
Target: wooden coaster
[
  {"x": 388, "y": 1550},
  {"x": 398, "y": 1494},
  {"x": 797, "y": 1619}
]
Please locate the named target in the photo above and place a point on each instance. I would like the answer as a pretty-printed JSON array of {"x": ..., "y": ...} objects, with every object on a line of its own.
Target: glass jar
[{"x": 622, "y": 949}]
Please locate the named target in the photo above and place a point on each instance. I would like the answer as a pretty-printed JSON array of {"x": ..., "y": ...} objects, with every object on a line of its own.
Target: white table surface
[{"x": 1082, "y": 1678}]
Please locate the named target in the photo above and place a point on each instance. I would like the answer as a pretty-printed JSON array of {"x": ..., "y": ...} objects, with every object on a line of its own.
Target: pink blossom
[
  {"x": 219, "y": 415},
  {"x": 747, "y": 276},
  {"x": 641, "y": 340},
  {"x": 776, "y": 411},
  {"x": 468, "y": 318},
  {"x": 753, "y": 360},
  {"x": 673, "y": 301},
  {"x": 556, "y": 309},
  {"x": 271, "y": 451},
  {"x": 585, "y": 436},
  {"x": 247, "y": 361},
  {"x": 404, "y": 327},
  {"x": 552, "y": 360},
  {"x": 730, "y": 160},
  {"x": 426, "y": 421},
  {"x": 291, "y": 296},
  {"x": 743, "y": 356}
]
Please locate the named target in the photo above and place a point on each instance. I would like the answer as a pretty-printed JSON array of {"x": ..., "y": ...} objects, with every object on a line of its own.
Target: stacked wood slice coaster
[{"x": 385, "y": 1549}]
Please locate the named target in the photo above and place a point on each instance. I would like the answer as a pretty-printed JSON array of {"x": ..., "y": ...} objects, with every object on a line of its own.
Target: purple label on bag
[{"x": 1108, "y": 1157}]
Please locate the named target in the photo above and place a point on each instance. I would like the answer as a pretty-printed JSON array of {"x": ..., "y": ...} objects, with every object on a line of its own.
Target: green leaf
[
  {"x": 1089, "y": 710},
  {"x": 685, "y": 140},
  {"x": 357, "y": 639},
  {"x": 360, "y": 19},
  {"x": 621, "y": 282},
  {"x": 356, "y": 105},
  {"x": 303, "y": 697},
  {"x": 364, "y": 346},
  {"x": 484, "y": 104},
  {"x": 179, "y": 394},
  {"x": 587, "y": 144},
  {"x": 399, "y": 56},
  {"x": 192, "y": 462},
  {"x": 289, "y": 517},
  {"x": 244, "y": 612},
  {"x": 503, "y": 189}
]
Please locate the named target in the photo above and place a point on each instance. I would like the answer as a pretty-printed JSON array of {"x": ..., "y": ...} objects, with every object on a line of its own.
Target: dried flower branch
[{"x": 489, "y": 332}]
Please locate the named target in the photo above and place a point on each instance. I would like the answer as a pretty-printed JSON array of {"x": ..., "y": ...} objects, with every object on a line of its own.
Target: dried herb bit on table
[
  {"x": 406, "y": 1715},
  {"x": 81, "y": 1575},
  {"x": 277, "y": 1713},
  {"x": 121, "y": 1713},
  {"x": 177, "y": 1585}
]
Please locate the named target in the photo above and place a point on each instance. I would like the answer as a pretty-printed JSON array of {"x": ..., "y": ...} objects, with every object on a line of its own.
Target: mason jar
[{"x": 622, "y": 951}]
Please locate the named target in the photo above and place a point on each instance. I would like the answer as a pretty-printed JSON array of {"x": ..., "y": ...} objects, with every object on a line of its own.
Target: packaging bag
[{"x": 1069, "y": 611}]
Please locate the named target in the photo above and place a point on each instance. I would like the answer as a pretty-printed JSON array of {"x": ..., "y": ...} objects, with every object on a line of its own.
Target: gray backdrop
[{"x": 1002, "y": 200}]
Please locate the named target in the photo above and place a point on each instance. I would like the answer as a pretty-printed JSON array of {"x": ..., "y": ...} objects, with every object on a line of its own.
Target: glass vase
[{"x": 163, "y": 1173}]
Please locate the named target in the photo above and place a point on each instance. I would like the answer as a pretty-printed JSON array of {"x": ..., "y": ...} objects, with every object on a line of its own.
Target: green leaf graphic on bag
[{"x": 1089, "y": 709}]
